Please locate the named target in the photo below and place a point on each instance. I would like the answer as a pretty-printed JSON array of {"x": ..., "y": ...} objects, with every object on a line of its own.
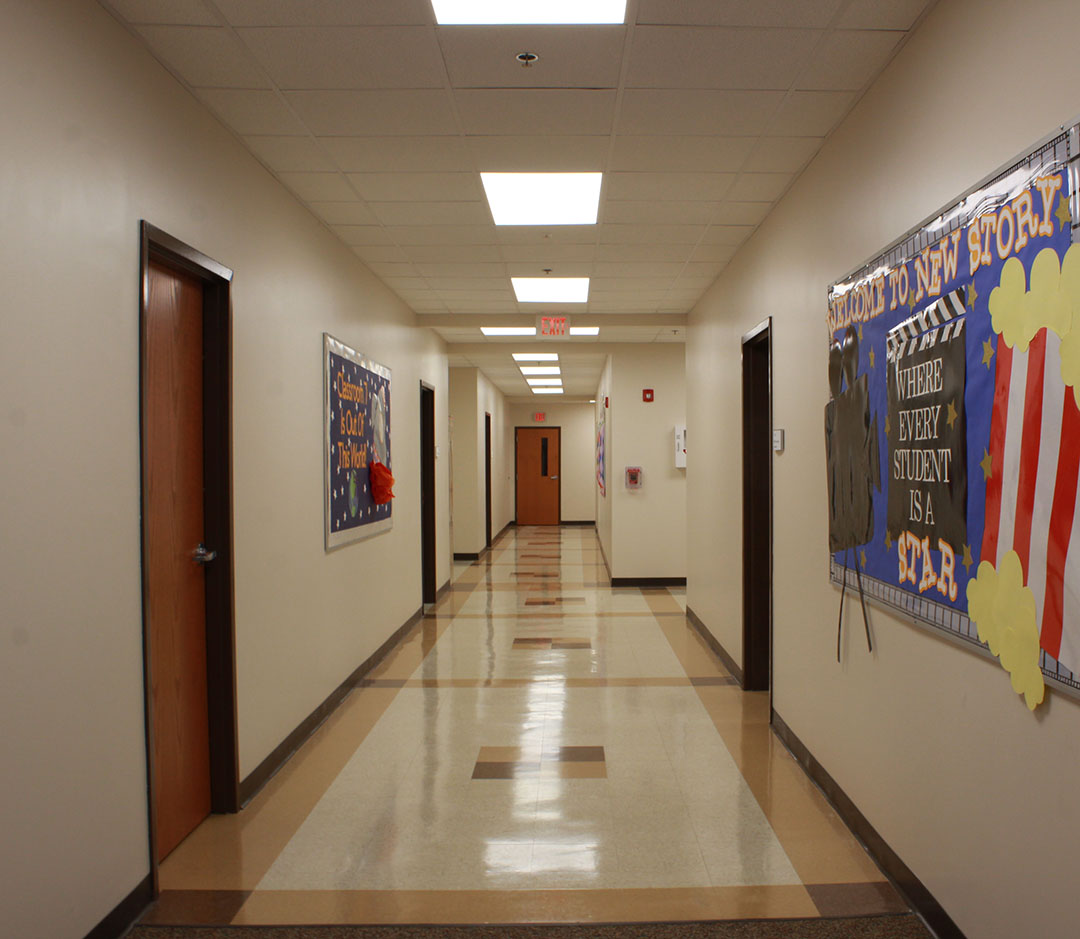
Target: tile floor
[{"x": 541, "y": 748}]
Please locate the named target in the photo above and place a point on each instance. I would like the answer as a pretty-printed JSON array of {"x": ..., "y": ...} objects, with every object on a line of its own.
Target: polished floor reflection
[{"x": 541, "y": 748}]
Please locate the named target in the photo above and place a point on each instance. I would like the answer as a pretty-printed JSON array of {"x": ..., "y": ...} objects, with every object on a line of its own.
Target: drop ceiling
[{"x": 699, "y": 113}]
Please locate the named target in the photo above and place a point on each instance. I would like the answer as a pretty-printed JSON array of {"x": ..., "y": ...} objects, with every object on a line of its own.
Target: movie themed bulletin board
[
  {"x": 953, "y": 426},
  {"x": 356, "y": 406}
]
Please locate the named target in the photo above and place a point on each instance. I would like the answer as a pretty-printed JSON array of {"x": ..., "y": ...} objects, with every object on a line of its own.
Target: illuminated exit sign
[
  {"x": 540, "y": 417},
  {"x": 552, "y": 325}
]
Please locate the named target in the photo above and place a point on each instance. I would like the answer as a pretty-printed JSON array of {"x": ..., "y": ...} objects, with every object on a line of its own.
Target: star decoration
[
  {"x": 862, "y": 557},
  {"x": 888, "y": 426},
  {"x": 871, "y": 357},
  {"x": 988, "y": 352},
  {"x": 951, "y": 414},
  {"x": 888, "y": 540},
  {"x": 968, "y": 561},
  {"x": 987, "y": 464},
  {"x": 1063, "y": 215},
  {"x": 860, "y": 332},
  {"x": 972, "y": 296}
]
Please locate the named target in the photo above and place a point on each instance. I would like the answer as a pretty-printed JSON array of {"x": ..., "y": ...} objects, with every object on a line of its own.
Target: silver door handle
[
  {"x": 553, "y": 477},
  {"x": 201, "y": 555}
]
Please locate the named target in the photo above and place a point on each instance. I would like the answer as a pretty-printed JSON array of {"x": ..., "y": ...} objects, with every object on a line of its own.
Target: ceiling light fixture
[
  {"x": 547, "y": 391},
  {"x": 551, "y": 289},
  {"x": 527, "y": 12},
  {"x": 536, "y": 356},
  {"x": 552, "y": 382},
  {"x": 584, "y": 330},
  {"x": 540, "y": 369},
  {"x": 508, "y": 330},
  {"x": 543, "y": 198}
]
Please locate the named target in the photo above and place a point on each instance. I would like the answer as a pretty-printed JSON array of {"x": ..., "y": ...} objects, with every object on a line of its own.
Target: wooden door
[
  {"x": 537, "y": 456},
  {"x": 175, "y": 583}
]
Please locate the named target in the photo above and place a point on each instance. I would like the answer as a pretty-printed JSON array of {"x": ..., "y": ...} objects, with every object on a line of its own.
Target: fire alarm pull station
[
  {"x": 633, "y": 477},
  {"x": 646, "y": 394}
]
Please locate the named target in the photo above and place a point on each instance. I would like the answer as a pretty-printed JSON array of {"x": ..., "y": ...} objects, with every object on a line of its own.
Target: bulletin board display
[
  {"x": 356, "y": 417},
  {"x": 953, "y": 426}
]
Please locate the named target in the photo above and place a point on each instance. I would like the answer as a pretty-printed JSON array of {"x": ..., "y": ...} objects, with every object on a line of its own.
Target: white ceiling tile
[
  {"x": 379, "y": 254},
  {"x": 646, "y": 233},
  {"x": 643, "y": 252},
  {"x": 882, "y": 14},
  {"x": 347, "y": 56},
  {"x": 374, "y": 113},
  {"x": 634, "y": 270},
  {"x": 179, "y": 12},
  {"x": 674, "y": 187},
  {"x": 741, "y": 213},
  {"x": 759, "y": 187},
  {"x": 560, "y": 269},
  {"x": 680, "y": 154},
  {"x": 848, "y": 59},
  {"x": 251, "y": 112},
  {"x": 474, "y": 301},
  {"x": 527, "y": 111},
  {"x": 204, "y": 56},
  {"x": 290, "y": 154},
  {"x": 725, "y": 113},
  {"x": 442, "y": 234},
  {"x": 393, "y": 269},
  {"x": 318, "y": 187},
  {"x": 495, "y": 270},
  {"x": 782, "y": 154},
  {"x": 726, "y": 234},
  {"x": 809, "y": 13},
  {"x": 399, "y": 154},
  {"x": 360, "y": 235},
  {"x": 714, "y": 254},
  {"x": 415, "y": 287},
  {"x": 688, "y": 57},
  {"x": 552, "y": 234},
  {"x": 810, "y": 113},
  {"x": 431, "y": 213},
  {"x": 454, "y": 254},
  {"x": 546, "y": 154},
  {"x": 546, "y": 253},
  {"x": 325, "y": 12},
  {"x": 418, "y": 187},
  {"x": 448, "y": 284},
  {"x": 435, "y": 306},
  {"x": 617, "y": 285},
  {"x": 661, "y": 213},
  {"x": 695, "y": 282},
  {"x": 344, "y": 213},
  {"x": 485, "y": 56}
]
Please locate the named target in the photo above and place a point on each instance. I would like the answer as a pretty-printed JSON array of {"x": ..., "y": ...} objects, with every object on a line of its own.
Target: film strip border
[
  {"x": 944, "y": 619},
  {"x": 941, "y": 321}
]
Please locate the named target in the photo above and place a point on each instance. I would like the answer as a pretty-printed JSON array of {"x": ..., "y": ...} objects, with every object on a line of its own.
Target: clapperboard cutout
[{"x": 942, "y": 321}]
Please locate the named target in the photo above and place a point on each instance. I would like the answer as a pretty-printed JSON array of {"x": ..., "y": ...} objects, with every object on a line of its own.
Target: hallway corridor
[{"x": 541, "y": 748}]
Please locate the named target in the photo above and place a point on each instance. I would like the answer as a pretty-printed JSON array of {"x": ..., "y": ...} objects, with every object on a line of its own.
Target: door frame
[
  {"x": 487, "y": 480},
  {"x": 157, "y": 245},
  {"x": 558, "y": 433},
  {"x": 429, "y": 587},
  {"x": 757, "y": 579}
]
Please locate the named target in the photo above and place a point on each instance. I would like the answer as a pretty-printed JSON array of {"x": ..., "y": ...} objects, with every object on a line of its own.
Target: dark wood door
[
  {"x": 176, "y": 585},
  {"x": 537, "y": 457}
]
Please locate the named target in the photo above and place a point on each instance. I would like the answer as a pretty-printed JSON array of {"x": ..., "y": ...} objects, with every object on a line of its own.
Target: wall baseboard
[
  {"x": 648, "y": 581},
  {"x": 721, "y": 653},
  {"x": 584, "y": 521},
  {"x": 913, "y": 890},
  {"x": 443, "y": 590},
  {"x": 281, "y": 754},
  {"x": 118, "y": 920},
  {"x": 467, "y": 555}
]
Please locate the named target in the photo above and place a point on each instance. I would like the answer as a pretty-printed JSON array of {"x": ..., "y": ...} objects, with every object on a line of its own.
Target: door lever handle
[
  {"x": 201, "y": 555},
  {"x": 553, "y": 477}
]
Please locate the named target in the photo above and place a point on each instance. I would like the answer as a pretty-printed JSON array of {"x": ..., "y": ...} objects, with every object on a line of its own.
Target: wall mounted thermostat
[
  {"x": 778, "y": 441},
  {"x": 633, "y": 477}
]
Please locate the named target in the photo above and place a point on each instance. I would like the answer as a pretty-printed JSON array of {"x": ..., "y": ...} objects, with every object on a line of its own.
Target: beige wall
[
  {"x": 577, "y": 454},
  {"x": 98, "y": 136},
  {"x": 974, "y": 793},
  {"x": 604, "y": 501},
  {"x": 492, "y": 401}
]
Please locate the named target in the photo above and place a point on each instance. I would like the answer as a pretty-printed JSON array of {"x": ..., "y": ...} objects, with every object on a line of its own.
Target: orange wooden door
[
  {"x": 537, "y": 451},
  {"x": 176, "y": 587}
]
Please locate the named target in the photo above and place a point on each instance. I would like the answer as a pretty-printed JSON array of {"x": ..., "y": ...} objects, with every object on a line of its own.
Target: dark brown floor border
[
  {"x": 648, "y": 581},
  {"x": 118, "y": 920},
  {"x": 729, "y": 663},
  {"x": 280, "y": 755},
  {"x": 903, "y": 878}
]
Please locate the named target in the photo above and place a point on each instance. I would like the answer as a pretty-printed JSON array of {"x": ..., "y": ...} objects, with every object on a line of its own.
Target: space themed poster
[{"x": 356, "y": 400}]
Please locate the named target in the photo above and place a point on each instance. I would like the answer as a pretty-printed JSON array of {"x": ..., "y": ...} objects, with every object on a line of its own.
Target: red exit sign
[
  {"x": 539, "y": 417},
  {"x": 552, "y": 325}
]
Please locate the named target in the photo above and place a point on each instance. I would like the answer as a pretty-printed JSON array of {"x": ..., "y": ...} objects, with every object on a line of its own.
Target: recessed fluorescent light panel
[
  {"x": 543, "y": 198},
  {"x": 584, "y": 330},
  {"x": 551, "y": 289},
  {"x": 540, "y": 370},
  {"x": 547, "y": 391},
  {"x": 527, "y": 12},
  {"x": 537, "y": 382},
  {"x": 508, "y": 330},
  {"x": 536, "y": 356}
]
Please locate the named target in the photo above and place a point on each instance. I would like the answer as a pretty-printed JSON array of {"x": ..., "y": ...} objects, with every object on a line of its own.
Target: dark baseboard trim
[
  {"x": 913, "y": 890},
  {"x": 583, "y": 521},
  {"x": 281, "y": 754},
  {"x": 443, "y": 590},
  {"x": 467, "y": 555},
  {"x": 603, "y": 556},
  {"x": 648, "y": 581},
  {"x": 721, "y": 653},
  {"x": 510, "y": 524},
  {"x": 119, "y": 919}
]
